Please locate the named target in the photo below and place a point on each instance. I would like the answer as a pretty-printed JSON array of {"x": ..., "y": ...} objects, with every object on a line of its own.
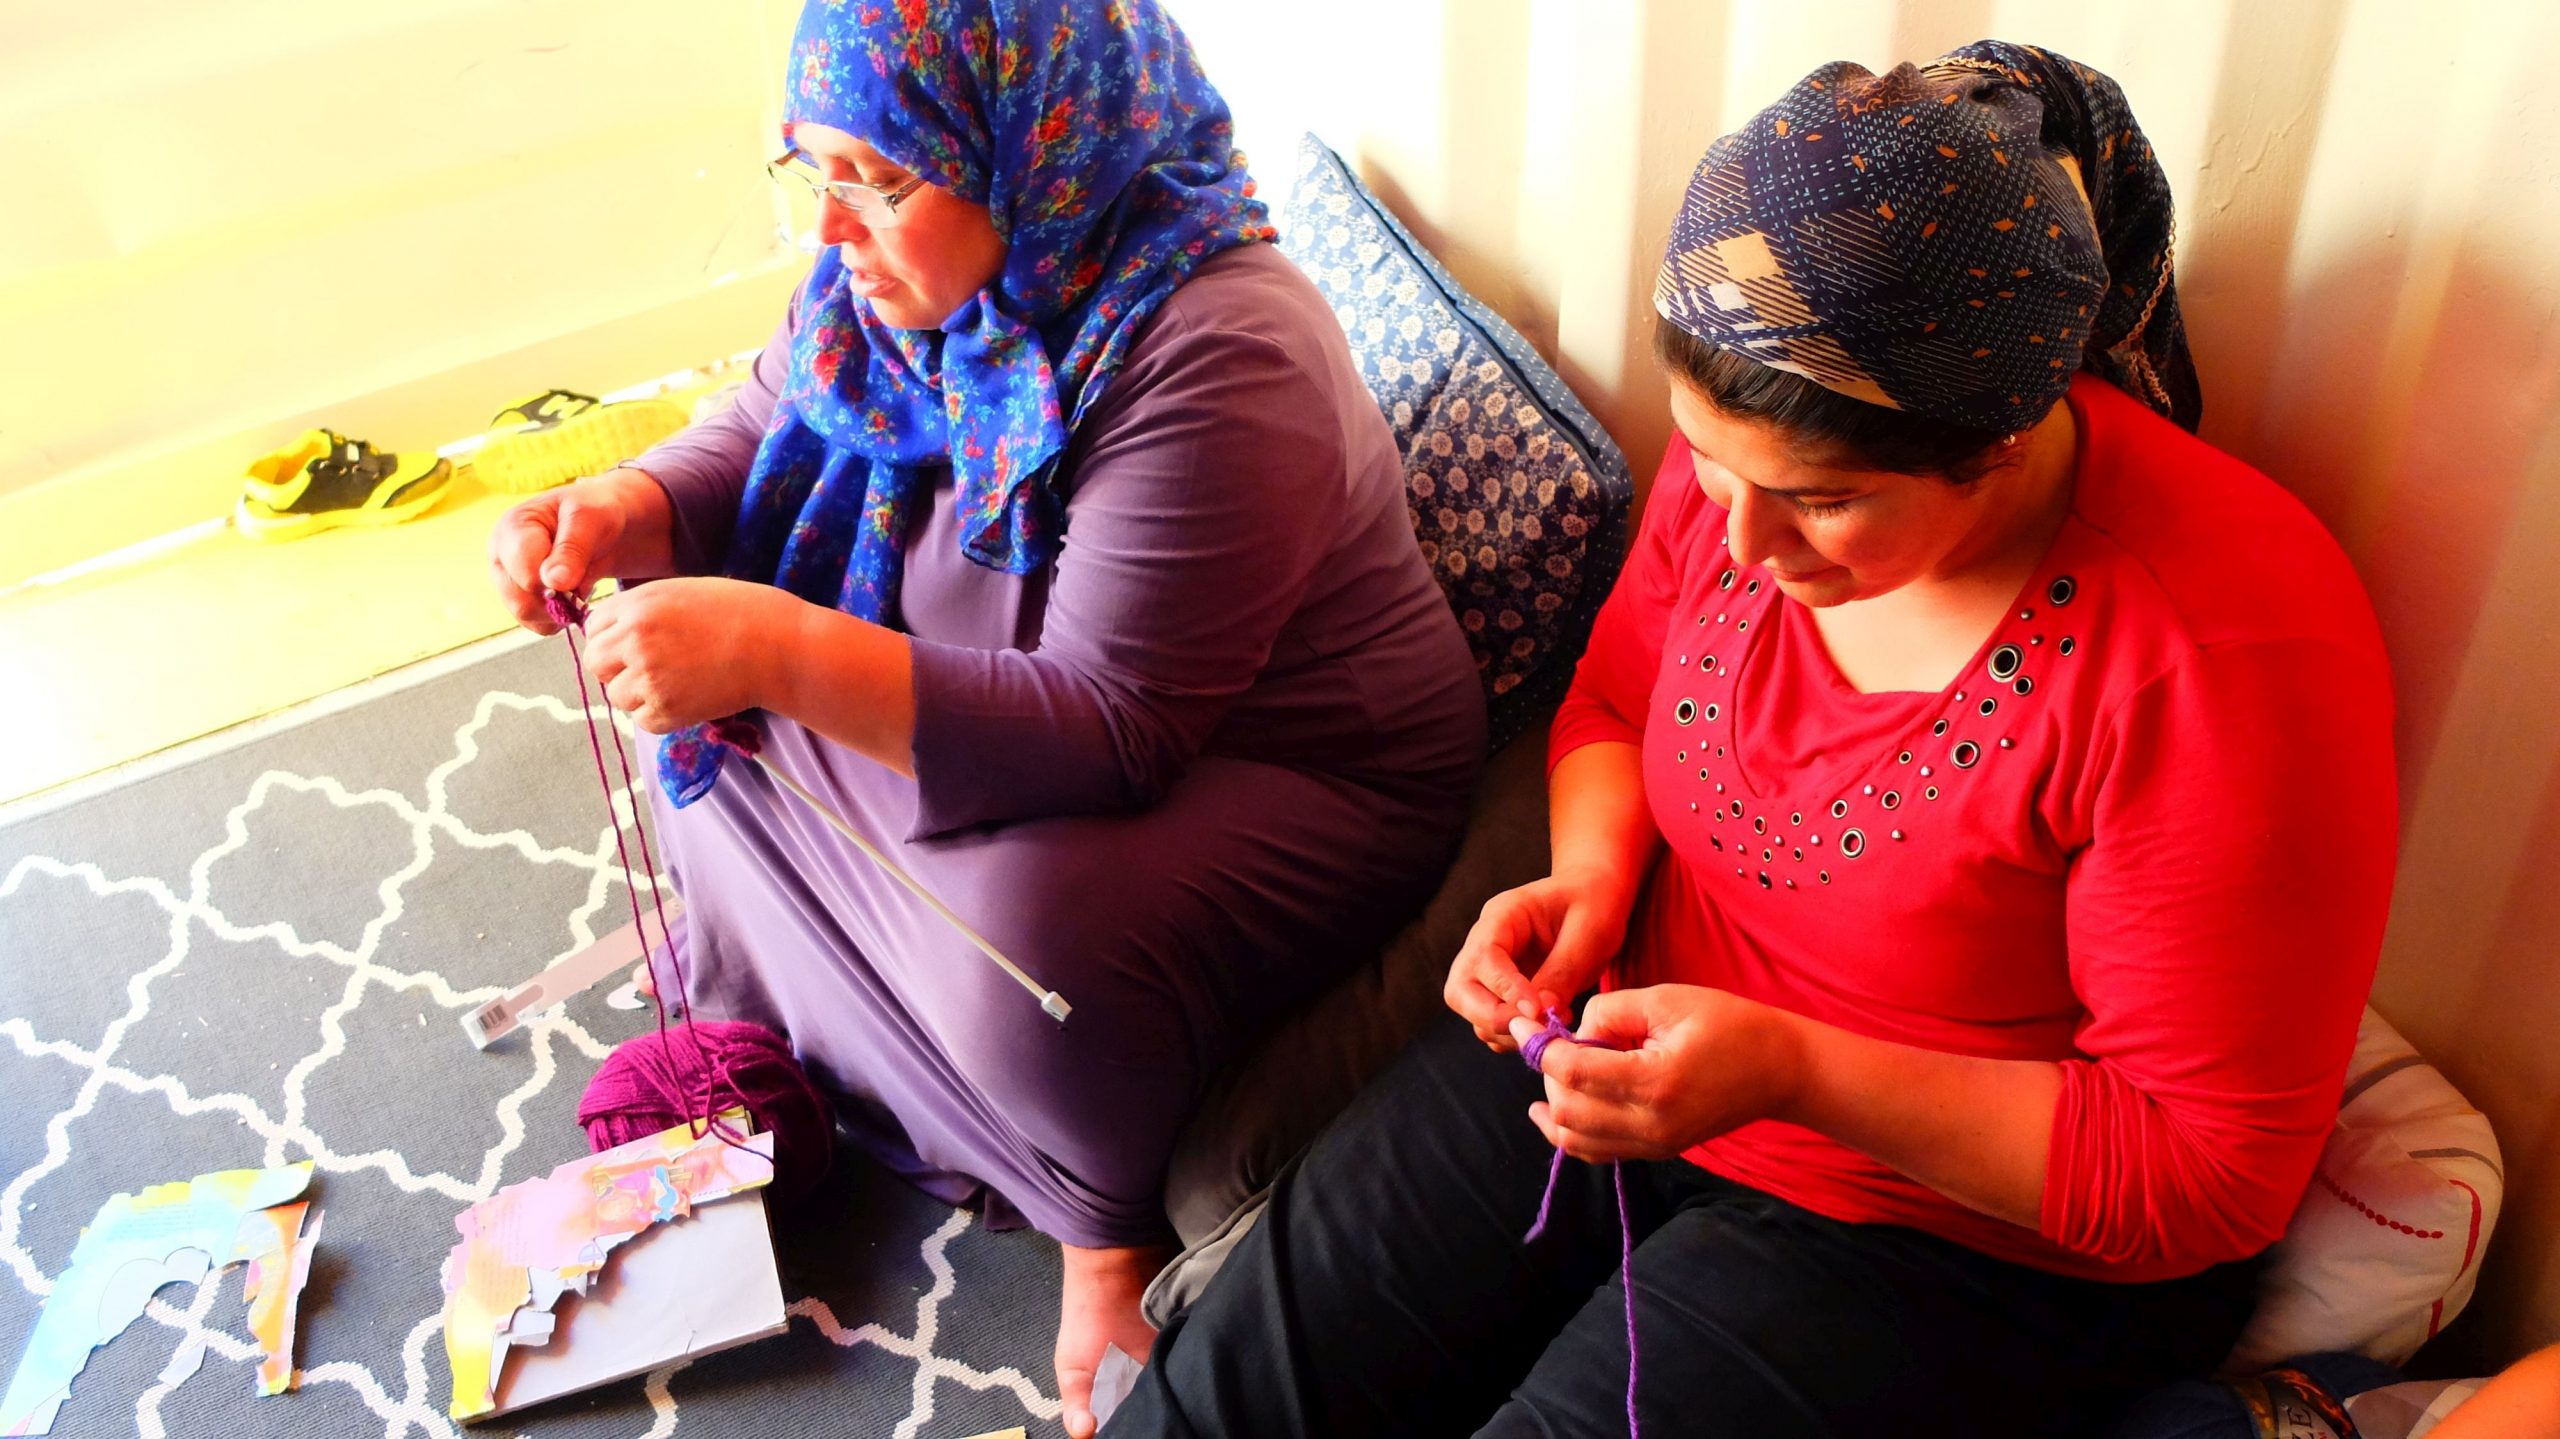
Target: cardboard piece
[
  {"x": 609, "y": 956},
  {"x": 707, "y": 1284},
  {"x": 532, "y": 1243}
]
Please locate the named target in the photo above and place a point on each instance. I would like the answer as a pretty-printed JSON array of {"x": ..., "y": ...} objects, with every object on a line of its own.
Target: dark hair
[{"x": 1866, "y": 436}]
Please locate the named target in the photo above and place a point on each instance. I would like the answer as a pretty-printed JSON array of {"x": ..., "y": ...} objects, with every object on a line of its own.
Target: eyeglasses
[{"x": 870, "y": 204}]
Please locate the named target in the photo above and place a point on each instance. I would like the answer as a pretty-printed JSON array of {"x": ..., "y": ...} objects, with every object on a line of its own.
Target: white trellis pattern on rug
[{"x": 269, "y": 822}]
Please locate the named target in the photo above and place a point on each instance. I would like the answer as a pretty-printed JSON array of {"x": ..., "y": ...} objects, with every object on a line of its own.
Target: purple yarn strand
[
  {"x": 1555, "y": 1172},
  {"x": 1627, "y": 1286},
  {"x": 1533, "y": 1050}
]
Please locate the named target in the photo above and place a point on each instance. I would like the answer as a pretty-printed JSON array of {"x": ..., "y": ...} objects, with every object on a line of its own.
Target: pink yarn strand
[
  {"x": 702, "y": 1112},
  {"x": 649, "y": 867}
]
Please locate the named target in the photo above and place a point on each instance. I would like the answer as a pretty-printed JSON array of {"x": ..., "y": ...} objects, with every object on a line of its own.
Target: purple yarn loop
[{"x": 1533, "y": 1051}]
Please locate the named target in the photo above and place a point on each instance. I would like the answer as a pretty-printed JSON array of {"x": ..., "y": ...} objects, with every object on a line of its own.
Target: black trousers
[{"x": 1387, "y": 1291}]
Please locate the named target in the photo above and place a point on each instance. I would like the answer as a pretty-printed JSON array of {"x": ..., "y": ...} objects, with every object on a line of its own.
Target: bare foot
[
  {"x": 646, "y": 982},
  {"x": 1098, "y": 1306}
]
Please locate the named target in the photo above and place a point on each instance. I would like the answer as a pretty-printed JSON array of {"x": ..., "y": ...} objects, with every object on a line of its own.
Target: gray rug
[{"x": 261, "y": 958}]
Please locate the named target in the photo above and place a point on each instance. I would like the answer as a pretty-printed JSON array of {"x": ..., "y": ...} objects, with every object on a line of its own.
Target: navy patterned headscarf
[
  {"x": 1107, "y": 162},
  {"x": 1919, "y": 240}
]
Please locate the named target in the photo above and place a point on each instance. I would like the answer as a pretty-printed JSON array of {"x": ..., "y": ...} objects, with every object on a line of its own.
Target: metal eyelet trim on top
[
  {"x": 1752, "y": 588},
  {"x": 2005, "y": 661},
  {"x": 1685, "y": 712},
  {"x": 2026, "y": 685},
  {"x": 1725, "y": 581},
  {"x": 1839, "y": 808},
  {"x": 1892, "y": 799},
  {"x": 1713, "y": 711},
  {"x": 1853, "y": 843},
  {"x": 2068, "y": 644},
  {"x": 1939, "y": 728},
  {"x": 1965, "y": 755},
  {"x": 1759, "y": 824},
  {"x": 1989, "y": 705},
  {"x": 2061, "y": 591}
]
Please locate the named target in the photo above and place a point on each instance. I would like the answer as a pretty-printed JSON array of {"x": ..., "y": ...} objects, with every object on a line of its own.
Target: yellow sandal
[
  {"x": 324, "y": 480},
  {"x": 559, "y": 436}
]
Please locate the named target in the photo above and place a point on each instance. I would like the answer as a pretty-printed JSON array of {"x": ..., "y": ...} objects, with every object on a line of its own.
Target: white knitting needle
[{"x": 1051, "y": 1003}]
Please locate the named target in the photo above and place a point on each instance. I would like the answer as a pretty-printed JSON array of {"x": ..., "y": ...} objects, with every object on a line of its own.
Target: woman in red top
[{"x": 1976, "y": 806}]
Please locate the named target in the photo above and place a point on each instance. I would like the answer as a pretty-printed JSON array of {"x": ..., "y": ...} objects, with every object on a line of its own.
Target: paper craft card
[
  {"x": 707, "y": 1284},
  {"x": 527, "y": 1246}
]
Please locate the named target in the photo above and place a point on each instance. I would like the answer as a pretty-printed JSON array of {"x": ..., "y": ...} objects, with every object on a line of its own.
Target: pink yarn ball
[{"x": 660, "y": 1080}]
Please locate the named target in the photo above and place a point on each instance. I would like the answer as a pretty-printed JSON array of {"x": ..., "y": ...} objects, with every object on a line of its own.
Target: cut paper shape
[
  {"x": 532, "y": 1242},
  {"x": 278, "y": 1249},
  {"x": 170, "y": 1233},
  {"x": 1113, "y": 1381}
]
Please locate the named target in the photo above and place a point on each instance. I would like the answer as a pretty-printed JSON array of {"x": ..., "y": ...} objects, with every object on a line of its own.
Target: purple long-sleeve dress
[{"x": 1187, "y": 776}]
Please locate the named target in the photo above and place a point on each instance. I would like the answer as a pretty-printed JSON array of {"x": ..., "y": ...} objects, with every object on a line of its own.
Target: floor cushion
[{"x": 2385, "y": 1248}]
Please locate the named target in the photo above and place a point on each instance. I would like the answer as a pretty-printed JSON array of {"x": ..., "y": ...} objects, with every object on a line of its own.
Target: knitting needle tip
[{"x": 1054, "y": 1005}]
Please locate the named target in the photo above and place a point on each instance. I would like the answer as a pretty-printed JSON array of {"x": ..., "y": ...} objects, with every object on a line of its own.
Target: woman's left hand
[
  {"x": 1684, "y": 1065},
  {"x": 677, "y": 652}
]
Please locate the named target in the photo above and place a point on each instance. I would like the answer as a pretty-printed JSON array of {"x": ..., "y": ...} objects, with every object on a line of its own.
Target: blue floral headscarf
[{"x": 1107, "y": 162}]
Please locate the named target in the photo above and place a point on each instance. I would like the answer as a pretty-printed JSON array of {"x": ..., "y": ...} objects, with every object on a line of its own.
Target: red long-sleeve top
[{"x": 2148, "y": 834}]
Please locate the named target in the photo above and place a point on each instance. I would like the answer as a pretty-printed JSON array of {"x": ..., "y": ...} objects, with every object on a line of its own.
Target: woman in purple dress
[{"x": 1067, "y": 559}]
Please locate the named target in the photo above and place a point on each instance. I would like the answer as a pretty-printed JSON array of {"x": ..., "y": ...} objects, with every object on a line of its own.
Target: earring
[{"x": 2010, "y": 438}]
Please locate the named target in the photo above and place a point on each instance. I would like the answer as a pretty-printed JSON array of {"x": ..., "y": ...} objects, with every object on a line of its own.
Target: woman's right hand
[
  {"x": 1533, "y": 949},
  {"x": 568, "y": 538}
]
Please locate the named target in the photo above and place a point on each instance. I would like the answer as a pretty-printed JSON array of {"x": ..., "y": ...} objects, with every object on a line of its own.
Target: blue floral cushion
[{"x": 1519, "y": 498}]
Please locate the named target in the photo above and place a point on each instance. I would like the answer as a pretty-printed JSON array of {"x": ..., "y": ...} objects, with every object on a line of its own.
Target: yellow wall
[
  {"x": 222, "y": 218},
  {"x": 2370, "y": 256}
]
